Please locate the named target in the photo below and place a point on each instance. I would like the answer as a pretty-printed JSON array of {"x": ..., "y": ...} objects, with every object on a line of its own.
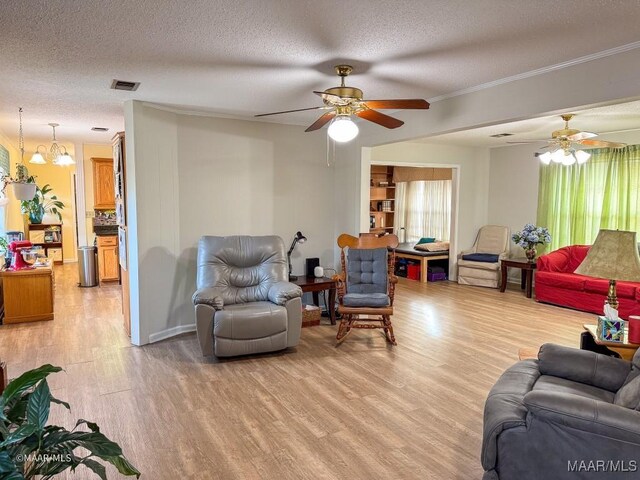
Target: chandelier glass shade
[
  {"x": 57, "y": 154},
  {"x": 565, "y": 156}
]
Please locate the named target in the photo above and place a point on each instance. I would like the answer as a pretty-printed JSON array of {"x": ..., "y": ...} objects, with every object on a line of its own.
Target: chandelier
[
  {"x": 564, "y": 154},
  {"x": 57, "y": 154}
]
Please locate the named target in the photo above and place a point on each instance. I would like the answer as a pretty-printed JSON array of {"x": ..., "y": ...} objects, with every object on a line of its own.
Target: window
[
  {"x": 423, "y": 208},
  {"x": 575, "y": 202}
]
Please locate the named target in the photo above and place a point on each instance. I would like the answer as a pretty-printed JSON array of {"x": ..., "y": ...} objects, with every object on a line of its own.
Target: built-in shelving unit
[
  {"x": 49, "y": 237},
  {"x": 382, "y": 193}
]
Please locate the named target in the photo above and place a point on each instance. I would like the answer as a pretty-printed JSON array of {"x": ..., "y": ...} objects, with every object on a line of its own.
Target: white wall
[{"x": 199, "y": 175}]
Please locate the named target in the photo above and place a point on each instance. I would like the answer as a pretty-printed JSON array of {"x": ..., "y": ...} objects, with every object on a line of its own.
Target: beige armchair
[{"x": 491, "y": 240}]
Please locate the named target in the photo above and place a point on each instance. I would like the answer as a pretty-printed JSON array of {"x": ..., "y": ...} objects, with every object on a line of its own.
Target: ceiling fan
[
  {"x": 343, "y": 102},
  {"x": 562, "y": 145}
]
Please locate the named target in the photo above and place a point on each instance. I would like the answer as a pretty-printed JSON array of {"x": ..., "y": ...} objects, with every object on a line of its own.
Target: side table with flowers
[{"x": 529, "y": 239}]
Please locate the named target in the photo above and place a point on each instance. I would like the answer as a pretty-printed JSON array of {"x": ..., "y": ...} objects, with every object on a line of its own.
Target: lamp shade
[{"x": 614, "y": 255}]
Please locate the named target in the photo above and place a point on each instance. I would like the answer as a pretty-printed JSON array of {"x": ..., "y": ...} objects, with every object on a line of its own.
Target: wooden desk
[
  {"x": 590, "y": 341},
  {"x": 28, "y": 295},
  {"x": 316, "y": 285},
  {"x": 526, "y": 268}
]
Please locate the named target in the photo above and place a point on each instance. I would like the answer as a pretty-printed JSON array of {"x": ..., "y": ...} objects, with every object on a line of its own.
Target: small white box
[
  {"x": 54, "y": 254},
  {"x": 36, "y": 236}
]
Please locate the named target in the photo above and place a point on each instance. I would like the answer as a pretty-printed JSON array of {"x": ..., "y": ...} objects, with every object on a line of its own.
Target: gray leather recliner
[
  {"x": 571, "y": 414},
  {"x": 244, "y": 303}
]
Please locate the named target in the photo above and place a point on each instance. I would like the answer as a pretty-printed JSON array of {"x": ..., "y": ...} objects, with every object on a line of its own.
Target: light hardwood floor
[{"x": 364, "y": 410}]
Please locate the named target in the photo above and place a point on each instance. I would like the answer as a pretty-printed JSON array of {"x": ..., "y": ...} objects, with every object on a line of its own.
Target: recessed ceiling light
[
  {"x": 124, "y": 85},
  {"x": 99, "y": 129},
  {"x": 500, "y": 135}
]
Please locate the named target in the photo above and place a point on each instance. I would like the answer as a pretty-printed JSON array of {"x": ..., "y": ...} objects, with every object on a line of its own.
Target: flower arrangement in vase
[{"x": 529, "y": 238}]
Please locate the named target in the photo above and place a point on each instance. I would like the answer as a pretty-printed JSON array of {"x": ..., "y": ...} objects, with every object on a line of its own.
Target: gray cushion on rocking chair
[{"x": 366, "y": 300}]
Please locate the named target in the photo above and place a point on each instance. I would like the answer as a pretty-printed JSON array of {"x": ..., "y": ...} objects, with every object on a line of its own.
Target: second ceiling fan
[{"x": 343, "y": 101}]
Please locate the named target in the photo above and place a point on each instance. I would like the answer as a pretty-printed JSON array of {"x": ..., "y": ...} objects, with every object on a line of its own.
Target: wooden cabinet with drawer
[
  {"x": 104, "y": 195},
  {"x": 108, "y": 265}
]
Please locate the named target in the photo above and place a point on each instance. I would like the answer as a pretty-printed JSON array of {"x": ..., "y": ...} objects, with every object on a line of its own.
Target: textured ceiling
[
  {"x": 237, "y": 57},
  {"x": 607, "y": 121}
]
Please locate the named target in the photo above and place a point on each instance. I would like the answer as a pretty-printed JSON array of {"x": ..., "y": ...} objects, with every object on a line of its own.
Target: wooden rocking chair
[{"x": 366, "y": 285}]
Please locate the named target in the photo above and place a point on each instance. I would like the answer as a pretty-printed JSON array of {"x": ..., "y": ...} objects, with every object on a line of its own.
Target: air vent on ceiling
[
  {"x": 99, "y": 129},
  {"x": 500, "y": 135},
  {"x": 124, "y": 85}
]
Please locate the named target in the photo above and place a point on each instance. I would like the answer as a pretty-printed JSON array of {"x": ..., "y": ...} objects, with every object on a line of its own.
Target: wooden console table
[
  {"x": 527, "y": 269},
  {"x": 316, "y": 285},
  {"x": 28, "y": 295}
]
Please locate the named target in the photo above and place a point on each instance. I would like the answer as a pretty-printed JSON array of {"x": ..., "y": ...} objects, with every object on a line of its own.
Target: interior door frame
[{"x": 365, "y": 172}]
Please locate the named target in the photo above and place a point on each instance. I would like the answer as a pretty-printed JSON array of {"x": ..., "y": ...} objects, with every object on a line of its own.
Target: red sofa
[{"x": 557, "y": 284}]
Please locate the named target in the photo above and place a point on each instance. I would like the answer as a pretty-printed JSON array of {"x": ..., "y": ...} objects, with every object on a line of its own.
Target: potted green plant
[
  {"x": 30, "y": 449},
  {"x": 24, "y": 185},
  {"x": 41, "y": 204}
]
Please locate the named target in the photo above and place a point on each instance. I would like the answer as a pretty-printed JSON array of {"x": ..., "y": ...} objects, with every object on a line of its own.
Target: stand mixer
[{"x": 18, "y": 261}]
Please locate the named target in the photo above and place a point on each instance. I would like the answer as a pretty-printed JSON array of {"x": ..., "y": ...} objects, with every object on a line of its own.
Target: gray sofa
[
  {"x": 571, "y": 414},
  {"x": 244, "y": 303}
]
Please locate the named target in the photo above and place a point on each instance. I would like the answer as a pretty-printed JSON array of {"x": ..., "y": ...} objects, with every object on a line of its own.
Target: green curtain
[{"x": 575, "y": 202}]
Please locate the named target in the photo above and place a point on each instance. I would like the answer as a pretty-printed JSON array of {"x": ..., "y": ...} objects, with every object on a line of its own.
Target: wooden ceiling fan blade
[
  {"x": 601, "y": 144},
  {"x": 399, "y": 104},
  {"x": 380, "y": 118},
  {"x": 321, "y": 122},
  {"x": 323, "y": 107},
  {"x": 581, "y": 136}
]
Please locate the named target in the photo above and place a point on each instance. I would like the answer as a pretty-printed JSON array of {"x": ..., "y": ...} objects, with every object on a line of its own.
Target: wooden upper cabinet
[{"x": 103, "y": 188}]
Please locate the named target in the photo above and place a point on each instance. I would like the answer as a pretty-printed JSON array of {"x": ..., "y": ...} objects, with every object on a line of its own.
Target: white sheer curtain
[{"x": 423, "y": 209}]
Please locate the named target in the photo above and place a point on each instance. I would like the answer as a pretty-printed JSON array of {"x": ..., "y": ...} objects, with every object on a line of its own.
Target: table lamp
[
  {"x": 614, "y": 256},
  {"x": 299, "y": 237}
]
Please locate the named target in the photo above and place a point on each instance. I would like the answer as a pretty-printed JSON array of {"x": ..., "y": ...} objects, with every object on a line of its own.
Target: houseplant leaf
[
  {"x": 60, "y": 402},
  {"x": 39, "y": 405},
  {"x": 96, "y": 468},
  {"x": 27, "y": 380},
  {"x": 19, "y": 434}
]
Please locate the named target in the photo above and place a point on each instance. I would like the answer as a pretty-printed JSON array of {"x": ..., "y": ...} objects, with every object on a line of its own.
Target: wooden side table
[
  {"x": 316, "y": 285},
  {"x": 526, "y": 268},
  {"x": 590, "y": 341},
  {"x": 28, "y": 295}
]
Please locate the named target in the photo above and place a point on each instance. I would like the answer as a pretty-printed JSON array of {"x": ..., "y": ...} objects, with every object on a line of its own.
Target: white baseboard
[
  {"x": 171, "y": 332},
  {"x": 70, "y": 260}
]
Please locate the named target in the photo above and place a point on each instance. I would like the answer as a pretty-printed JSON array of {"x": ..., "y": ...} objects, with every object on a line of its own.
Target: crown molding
[{"x": 539, "y": 71}]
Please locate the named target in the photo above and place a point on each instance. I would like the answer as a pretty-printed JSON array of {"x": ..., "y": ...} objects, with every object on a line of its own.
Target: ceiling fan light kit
[
  {"x": 343, "y": 102},
  {"x": 342, "y": 129},
  {"x": 562, "y": 142}
]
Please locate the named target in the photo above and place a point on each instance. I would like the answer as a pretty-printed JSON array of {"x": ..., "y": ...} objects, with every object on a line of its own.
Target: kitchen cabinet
[
  {"x": 108, "y": 265},
  {"x": 28, "y": 294},
  {"x": 104, "y": 196}
]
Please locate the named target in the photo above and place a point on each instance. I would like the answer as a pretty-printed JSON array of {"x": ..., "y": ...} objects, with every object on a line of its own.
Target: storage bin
[
  {"x": 436, "y": 276},
  {"x": 311, "y": 315},
  {"x": 413, "y": 271}
]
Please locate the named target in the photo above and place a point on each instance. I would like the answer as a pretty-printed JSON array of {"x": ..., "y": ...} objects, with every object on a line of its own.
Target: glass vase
[{"x": 530, "y": 253}]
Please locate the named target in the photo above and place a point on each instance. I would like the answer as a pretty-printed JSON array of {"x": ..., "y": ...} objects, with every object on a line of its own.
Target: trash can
[{"x": 88, "y": 266}]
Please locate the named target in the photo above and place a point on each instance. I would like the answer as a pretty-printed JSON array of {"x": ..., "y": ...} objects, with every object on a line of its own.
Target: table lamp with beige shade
[{"x": 614, "y": 256}]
